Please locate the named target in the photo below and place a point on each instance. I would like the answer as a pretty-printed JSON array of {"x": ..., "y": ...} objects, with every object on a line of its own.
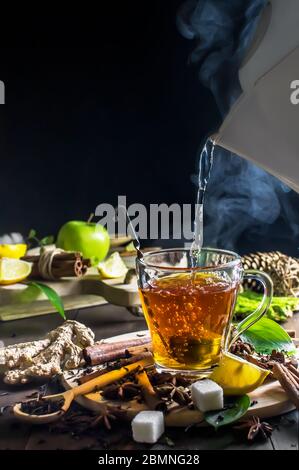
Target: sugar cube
[
  {"x": 148, "y": 426},
  {"x": 207, "y": 395}
]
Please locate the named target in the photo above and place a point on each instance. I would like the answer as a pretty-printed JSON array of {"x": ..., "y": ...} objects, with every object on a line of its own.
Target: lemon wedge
[
  {"x": 130, "y": 247},
  {"x": 237, "y": 376},
  {"x": 13, "y": 251},
  {"x": 13, "y": 270},
  {"x": 113, "y": 267}
]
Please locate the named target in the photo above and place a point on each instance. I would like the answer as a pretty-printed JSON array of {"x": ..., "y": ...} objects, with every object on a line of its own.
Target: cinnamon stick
[
  {"x": 64, "y": 264},
  {"x": 118, "y": 374},
  {"x": 100, "y": 352},
  {"x": 102, "y": 355},
  {"x": 288, "y": 382},
  {"x": 63, "y": 256},
  {"x": 291, "y": 333},
  {"x": 119, "y": 364},
  {"x": 119, "y": 344},
  {"x": 293, "y": 370}
]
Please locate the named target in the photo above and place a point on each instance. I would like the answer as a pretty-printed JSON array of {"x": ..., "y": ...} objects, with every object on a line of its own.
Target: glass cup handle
[{"x": 258, "y": 313}]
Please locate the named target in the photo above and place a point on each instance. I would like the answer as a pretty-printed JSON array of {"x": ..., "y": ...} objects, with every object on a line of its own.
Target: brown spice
[
  {"x": 123, "y": 391},
  {"x": 255, "y": 428},
  {"x": 100, "y": 353},
  {"x": 288, "y": 381},
  {"x": 111, "y": 365},
  {"x": 239, "y": 348},
  {"x": 41, "y": 407},
  {"x": 149, "y": 394},
  {"x": 64, "y": 264}
]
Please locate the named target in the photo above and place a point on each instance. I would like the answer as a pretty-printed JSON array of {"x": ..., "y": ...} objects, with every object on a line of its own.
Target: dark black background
[
  {"x": 98, "y": 104},
  {"x": 101, "y": 102}
]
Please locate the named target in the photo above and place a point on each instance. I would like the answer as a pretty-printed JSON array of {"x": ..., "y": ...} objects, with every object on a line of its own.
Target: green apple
[{"x": 91, "y": 239}]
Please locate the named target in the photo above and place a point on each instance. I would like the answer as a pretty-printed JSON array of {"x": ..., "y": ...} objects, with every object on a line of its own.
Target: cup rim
[{"x": 237, "y": 260}]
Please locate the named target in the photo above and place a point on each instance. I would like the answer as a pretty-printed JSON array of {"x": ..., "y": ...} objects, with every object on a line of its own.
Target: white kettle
[{"x": 263, "y": 125}]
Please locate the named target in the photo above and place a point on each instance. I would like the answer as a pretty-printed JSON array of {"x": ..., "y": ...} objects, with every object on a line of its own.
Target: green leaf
[
  {"x": 266, "y": 335},
  {"x": 234, "y": 410},
  {"x": 26, "y": 296},
  {"x": 32, "y": 233},
  {"x": 280, "y": 309},
  {"x": 52, "y": 295},
  {"x": 47, "y": 240}
]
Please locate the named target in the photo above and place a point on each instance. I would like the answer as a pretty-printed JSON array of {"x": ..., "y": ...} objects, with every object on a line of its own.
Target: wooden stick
[
  {"x": 109, "y": 377},
  {"x": 117, "y": 365},
  {"x": 150, "y": 397}
]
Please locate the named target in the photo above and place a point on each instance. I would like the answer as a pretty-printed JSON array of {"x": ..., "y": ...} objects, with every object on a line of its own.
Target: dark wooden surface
[{"x": 109, "y": 321}]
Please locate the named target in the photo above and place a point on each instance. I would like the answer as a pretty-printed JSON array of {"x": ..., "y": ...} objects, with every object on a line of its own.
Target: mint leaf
[
  {"x": 32, "y": 233},
  {"x": 234, "y": 409},
  {"x": 52, "y": 295},
  {"x": 47, "y": 240},
  {"x": 280, "y": 309},
  {"x": 44, "y": 241},
  {"x": 266, "y": 335}
]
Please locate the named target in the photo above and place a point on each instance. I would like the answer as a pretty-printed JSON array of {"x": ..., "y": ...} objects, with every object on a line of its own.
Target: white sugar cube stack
[
  {"x": 148, "y": 426},
  {"x": 207, "y": 395}
]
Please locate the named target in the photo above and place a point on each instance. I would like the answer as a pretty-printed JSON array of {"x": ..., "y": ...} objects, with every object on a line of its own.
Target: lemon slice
[
  {"x": 130, "y": 247},
  {"x": 13, "y": 270},
  {"x": 237, "y": 376},
  {"x": 13, "y": 251},
  {"x": 113, "y": 267}
]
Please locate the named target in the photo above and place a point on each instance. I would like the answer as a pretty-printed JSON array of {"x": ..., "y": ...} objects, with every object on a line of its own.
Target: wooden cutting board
[
  {"x": 270, "y": 397},
  {"x": 20, "y": 301}
]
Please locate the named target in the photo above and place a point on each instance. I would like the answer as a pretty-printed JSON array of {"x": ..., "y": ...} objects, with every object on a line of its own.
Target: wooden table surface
[{"x": 106, "y": 321}]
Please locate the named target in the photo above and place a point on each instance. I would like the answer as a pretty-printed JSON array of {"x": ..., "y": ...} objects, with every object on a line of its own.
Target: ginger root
[{"x": 60, "y": 350}]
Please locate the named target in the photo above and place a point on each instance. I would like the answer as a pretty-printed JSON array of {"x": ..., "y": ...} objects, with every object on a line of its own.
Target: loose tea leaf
[
  {"x": 41, "y": 407},
  {"x": 52, "y": 295},
  {"x": 234, "y": 410}
]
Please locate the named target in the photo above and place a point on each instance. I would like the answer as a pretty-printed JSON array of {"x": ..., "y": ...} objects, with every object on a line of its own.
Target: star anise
[
  {"x": 106, "y": 415},
  {"x": 171, "y": 392},
  {"x": 180, "y": 395},
  {"x": 128, "y": 390},
  {"x": 165, "y": 378},
  {"x": 162, "y": 378},
  {"x": 123, "y": 391},
  {"x": 256, "y": 428}
]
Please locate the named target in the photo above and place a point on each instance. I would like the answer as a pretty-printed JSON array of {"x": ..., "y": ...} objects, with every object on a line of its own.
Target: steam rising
[{"x": 241, "y": 198}]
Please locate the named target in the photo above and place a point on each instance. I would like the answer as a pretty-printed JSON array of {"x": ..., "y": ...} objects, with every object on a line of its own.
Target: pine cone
[{"x": 283, "y": 270}]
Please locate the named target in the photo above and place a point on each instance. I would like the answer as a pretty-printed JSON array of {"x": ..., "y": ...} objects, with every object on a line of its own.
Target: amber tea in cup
[{"x": 189, "y": 311}]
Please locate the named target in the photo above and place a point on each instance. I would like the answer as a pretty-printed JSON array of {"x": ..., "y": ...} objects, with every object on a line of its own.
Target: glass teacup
[{"x": 189, "y": 311}]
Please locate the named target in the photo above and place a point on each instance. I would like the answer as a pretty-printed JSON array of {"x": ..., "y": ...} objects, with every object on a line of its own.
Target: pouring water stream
[{"x": 205, "y": 166}]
